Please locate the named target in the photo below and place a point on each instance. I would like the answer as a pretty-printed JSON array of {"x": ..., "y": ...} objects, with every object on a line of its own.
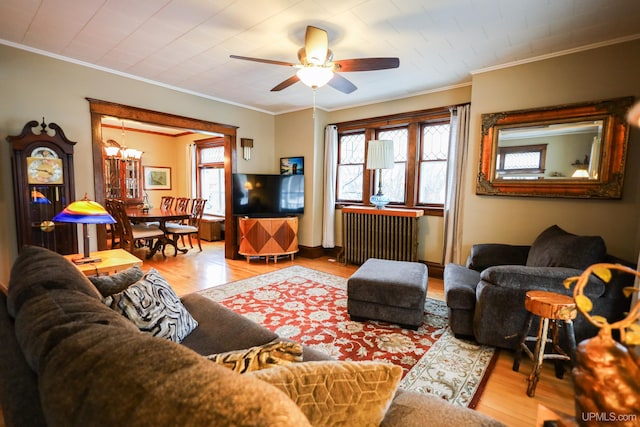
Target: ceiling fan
[{"x": 317, "y": 67}]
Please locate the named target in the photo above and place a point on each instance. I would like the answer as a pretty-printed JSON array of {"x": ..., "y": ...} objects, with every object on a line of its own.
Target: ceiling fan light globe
[{"x": 315, "y": 77}]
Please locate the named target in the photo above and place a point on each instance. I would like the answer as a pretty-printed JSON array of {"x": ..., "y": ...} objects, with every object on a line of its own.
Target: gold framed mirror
[{"x": 575, "y": 150}]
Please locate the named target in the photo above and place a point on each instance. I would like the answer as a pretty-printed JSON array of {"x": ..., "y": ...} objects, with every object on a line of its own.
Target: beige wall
[
  {"x": 33, "y": 86},
  {"x": 603, "y": 73}
]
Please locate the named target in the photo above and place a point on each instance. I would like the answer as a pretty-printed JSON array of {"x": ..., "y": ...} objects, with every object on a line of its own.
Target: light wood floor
[{"x": 505, "y": 396}]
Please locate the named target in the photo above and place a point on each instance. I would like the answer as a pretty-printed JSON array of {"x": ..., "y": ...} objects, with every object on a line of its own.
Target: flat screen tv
[{"x": 263, "y": 195}]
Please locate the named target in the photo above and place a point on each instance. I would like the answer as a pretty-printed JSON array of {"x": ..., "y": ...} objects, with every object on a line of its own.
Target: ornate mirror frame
[{"x": 609, "y": 175}]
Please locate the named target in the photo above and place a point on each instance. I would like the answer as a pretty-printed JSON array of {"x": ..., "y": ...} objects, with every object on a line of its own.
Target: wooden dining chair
[
  {"x": 182, "y": 203},
  {"x": 133, "y": 233},
  {"x": 166, "y": 202},
  {"x": 114, "y": 231},
  {"x": 193, "y": 225}
]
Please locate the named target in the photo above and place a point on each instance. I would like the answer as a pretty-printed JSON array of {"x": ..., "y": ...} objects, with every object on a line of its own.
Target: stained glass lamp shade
[{"x": 85, "y": 212}]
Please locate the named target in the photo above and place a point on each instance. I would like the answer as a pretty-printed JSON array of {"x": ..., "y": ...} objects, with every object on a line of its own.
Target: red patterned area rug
[{"x": 310, "y": 307}]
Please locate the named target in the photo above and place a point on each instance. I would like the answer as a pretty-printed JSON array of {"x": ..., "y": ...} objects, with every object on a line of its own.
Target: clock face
[{"x": 44, "y": 170}]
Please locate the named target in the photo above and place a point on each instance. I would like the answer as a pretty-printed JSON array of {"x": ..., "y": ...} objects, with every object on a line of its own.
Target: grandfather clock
[{"x": 42, "y": 186}]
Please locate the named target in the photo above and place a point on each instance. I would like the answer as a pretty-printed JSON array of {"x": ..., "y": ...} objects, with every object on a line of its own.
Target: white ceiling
[{"x": 185, "y": 44}]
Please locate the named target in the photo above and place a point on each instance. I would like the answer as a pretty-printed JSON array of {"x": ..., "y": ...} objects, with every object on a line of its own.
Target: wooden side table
[
  {"x": 111, "y": 261},
  {"x": 551, "y": 308}
]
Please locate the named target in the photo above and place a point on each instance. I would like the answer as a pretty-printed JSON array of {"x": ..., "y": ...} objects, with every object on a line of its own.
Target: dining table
[{"x": 161, "y": 216}]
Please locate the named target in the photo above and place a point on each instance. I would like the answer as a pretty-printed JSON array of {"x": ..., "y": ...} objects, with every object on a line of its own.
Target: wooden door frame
[{"x": 99, "y": 108}]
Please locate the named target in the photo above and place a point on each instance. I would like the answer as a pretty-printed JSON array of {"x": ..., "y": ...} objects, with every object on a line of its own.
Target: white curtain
[
  {"x": 330, "y": 170},
  {"x": 458, "y": 146}
]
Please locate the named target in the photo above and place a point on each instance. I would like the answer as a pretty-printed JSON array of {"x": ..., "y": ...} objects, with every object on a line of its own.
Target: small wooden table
[
  {"x": 551, "y": 308},
  {"x": 112, "y": 261}
]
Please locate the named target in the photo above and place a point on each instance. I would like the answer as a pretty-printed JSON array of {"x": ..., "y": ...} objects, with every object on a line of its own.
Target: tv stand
[{"x": 268, "y": 237}]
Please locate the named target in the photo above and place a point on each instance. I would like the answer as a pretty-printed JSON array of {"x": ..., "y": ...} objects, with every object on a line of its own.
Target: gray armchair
[{"x": 485, "y": 298}]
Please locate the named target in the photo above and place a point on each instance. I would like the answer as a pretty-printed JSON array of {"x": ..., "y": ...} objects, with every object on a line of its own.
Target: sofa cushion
[
  {"x": 95, "y": 367},
  {"x": 259, "y": 357},
  {"x": 153, "y": 306},
  {"x": 220, "y": 329},
  {"x": 337, "y": 393},
  {"x": 19, "y": 392},
  {"x": 39, "y": 270},
  {"x": 118, "y": 282},
  {"x": 555, "y": 247}
]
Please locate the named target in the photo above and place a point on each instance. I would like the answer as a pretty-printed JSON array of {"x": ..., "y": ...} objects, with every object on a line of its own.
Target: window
[
  {"x": 521, "y": 162},
  {"x": 350, "y": 167},
  {"x": 421, "y": 145},
  {"x": 393, "y": 180},
  {"x": 433, "y": 164},
  {"x": 210, "y": 167}
]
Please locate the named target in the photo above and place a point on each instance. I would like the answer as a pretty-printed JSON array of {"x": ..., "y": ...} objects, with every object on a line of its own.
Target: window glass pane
[
  {"x": 212, "y": 154},
  {"x": 349, "y": 182},
  {"x": 212, "y": 189},
  {"x": 399, "y": 138},
  {"x": 433, "y": 164},
  {"x": 393, "y": 183},
  {"x": 393, "y": 180},
  {"x": 523, "y": 160},
  {"x": 432, "y": 182},
  {"x": 352, "y": 148},
  {"x": 435, "y": 142}
]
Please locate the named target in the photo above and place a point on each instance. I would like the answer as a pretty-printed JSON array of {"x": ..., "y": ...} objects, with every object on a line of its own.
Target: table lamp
[
  {"x": 380, "y": 156},
  {"x": 85, "y": 212}
]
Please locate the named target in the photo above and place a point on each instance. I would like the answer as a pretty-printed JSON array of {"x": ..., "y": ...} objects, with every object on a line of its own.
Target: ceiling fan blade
[
  {"x": 265, "y": 61},
  {"x": 285, "y": 84},
  {"x": 342, "y": 84},
  {"x": 316, "y": 45},
  {"x": 366, "y": 64}
]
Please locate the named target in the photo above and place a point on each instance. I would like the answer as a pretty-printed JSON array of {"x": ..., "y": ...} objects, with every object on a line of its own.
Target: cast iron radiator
[{"x": 379, "y": 233}]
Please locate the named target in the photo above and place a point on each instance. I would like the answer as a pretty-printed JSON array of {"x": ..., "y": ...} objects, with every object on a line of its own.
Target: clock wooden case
[{"x": 42, "y": 186}]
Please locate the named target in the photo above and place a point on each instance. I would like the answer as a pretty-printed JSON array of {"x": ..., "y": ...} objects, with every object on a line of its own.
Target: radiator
[{"x": 379, "y": 233}]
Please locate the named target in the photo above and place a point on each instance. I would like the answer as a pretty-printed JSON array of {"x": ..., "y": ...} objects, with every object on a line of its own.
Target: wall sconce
[{"x": 247, "y": 145}]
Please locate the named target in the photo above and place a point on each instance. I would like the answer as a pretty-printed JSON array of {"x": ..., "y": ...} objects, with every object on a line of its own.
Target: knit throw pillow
[
  {"x": 259, "y": 357},
  {"x": 337, "y": 393},
  {"x": 153, "y": 306}
]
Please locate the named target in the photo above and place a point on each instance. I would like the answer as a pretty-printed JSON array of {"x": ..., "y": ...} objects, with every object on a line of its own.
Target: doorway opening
[{"x": 100, "y": 109}]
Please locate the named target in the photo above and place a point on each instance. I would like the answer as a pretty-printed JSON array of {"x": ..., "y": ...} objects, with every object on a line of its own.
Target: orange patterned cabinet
[{"x": 268, "y": 237}]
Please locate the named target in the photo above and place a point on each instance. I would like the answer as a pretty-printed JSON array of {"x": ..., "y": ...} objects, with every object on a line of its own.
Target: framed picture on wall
[
  {"x": 157, "y": 178},
  {"x": 291, "y": 165}
]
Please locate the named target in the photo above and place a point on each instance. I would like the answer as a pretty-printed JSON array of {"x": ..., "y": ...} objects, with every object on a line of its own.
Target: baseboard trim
[{"x": 436, "y": 270}]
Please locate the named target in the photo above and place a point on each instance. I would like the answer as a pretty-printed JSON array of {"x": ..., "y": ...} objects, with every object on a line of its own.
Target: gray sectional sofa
[{"x": 68, "y": 359}]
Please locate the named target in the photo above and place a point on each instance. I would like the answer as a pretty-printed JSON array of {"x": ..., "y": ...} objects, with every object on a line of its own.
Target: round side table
[{"x": 554, "y": 310}]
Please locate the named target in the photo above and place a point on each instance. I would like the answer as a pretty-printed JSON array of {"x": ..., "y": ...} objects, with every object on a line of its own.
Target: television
[{"x": 264, "y": 195}]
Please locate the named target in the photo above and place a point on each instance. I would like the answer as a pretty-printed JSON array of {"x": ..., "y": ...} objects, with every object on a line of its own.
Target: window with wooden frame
[
  {"x": 210, "y": 174},
  {"x": 421, "y": 145},
  {"x": 522, "y": 160}
]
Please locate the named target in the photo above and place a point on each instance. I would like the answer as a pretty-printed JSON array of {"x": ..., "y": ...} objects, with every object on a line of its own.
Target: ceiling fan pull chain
[{"x": 314, "y": 103}]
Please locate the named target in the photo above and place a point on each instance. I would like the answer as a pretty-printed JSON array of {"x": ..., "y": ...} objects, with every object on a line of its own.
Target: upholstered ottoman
[{"x": 393, "y": 291}]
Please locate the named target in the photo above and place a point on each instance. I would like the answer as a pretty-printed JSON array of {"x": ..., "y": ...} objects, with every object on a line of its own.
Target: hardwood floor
[{"x": 505, "y": 396}]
